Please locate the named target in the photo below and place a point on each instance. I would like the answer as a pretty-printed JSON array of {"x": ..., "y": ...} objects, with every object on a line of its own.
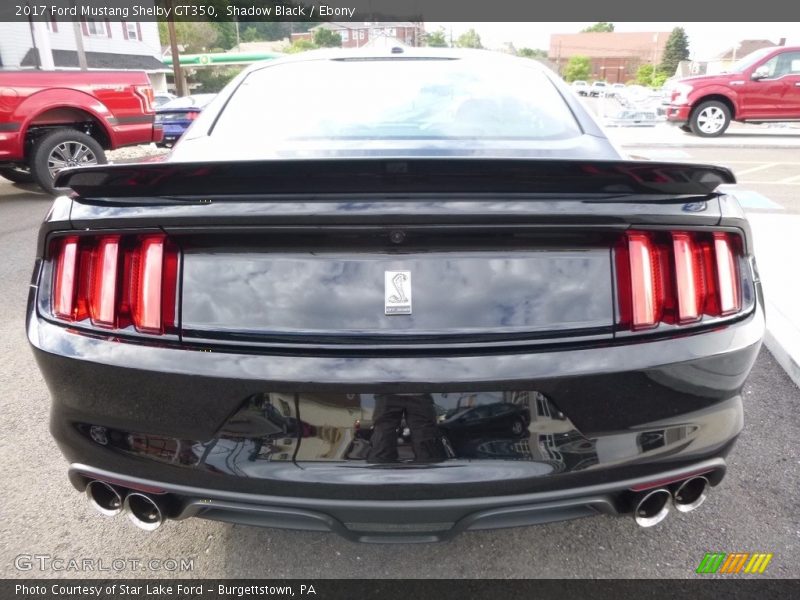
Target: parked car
[
  {"x": 176, "y": 115},
  {"x": 762, "y": 87},
  {"x": 51, "y": 120},
  {"x": 616, "y": 89},
  {"x": 450, "y": 226},
  {"x": 580, "y": 87},
  {"x": 632, "y": 118},
  {"x": 598, "y": 88},
  {"x": 497, "y": 419},
  {"x": 163, "y": 98}
]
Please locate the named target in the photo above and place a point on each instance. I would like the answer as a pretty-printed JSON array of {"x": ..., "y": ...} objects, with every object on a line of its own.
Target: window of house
[
  {"x": 95, "y": 27},
  {"x": 132, "y": 31},
  {"x": 345, "y": 35}
]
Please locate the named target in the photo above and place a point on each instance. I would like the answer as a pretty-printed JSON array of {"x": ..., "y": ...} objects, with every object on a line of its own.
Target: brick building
[{"x": 614, "y": 56}]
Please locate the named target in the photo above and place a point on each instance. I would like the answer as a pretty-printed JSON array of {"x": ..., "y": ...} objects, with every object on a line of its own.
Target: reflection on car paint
[{"x": 400, "y": 429}]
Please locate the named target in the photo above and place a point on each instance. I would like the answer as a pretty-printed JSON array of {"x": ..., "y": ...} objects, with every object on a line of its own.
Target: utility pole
[
  {"x": 180, "y": 89},
  {"x": 76, "y": 30},
  {"x": 78, "y": 34}
]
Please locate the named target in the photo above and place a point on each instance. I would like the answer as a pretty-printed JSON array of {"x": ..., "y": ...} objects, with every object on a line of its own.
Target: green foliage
[
  {"x": 436, "y": 39},
  {"x": 195, "y": 37},
  {"x": 250, "y": 34},
  {"x": 532, "y": 53},
  {"x": 644, "y": 74},
  {"x": 469, "y": 39},
  {"x": 212, "y": 80},
  {"x": 226, "y": 34},
  {"x": 301, "y": 46},
  {"x": 676, "y": 50},
  {"x": 603, "y": 27},
  {"x": 659, "y": 79},
  {"x": 578, "y": 67},
  {"x": 650, "y": 76},
  {"x": 325, "y": 38}
]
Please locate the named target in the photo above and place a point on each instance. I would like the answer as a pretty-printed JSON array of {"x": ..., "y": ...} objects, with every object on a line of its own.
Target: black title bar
[{"x": 399, "y": 10}]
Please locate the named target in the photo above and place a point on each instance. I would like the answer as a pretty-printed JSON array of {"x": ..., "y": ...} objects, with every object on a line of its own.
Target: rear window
[{"x": 396, "y": 100}]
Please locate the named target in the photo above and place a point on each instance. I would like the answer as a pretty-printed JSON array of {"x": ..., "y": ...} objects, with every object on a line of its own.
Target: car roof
[{"x": 400, "y": 53}]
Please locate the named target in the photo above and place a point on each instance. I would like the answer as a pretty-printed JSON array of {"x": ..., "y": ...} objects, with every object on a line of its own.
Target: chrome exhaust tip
[
  {"x": 691, "y": 494},
  {"x": 144, "y": 511},
  {"x": 104, "y": 498},
  {"x": 652, "y": 507}
]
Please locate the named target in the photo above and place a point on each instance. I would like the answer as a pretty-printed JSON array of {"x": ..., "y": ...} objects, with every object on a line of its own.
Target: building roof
[
  {"x": 612, "y": 44},
  {"x": 68, "y": 59},
  {"x": 744, "y": 48}
]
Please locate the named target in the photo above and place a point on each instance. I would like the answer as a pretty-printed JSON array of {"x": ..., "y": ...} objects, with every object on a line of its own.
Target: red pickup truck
[
  {"x": 762, "y": 87},
  {"x": 50, "y": 120}
]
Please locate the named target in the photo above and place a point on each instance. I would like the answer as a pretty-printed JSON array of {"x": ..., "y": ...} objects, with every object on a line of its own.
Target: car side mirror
[{"x": 760, "y": 73}]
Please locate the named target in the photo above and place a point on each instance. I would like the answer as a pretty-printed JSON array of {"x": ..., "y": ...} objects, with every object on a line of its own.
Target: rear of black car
[{"x": 395, "y": 346}]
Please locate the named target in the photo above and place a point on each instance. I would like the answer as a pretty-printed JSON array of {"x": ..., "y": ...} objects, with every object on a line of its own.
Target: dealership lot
[{"x": 753, "y": 511}]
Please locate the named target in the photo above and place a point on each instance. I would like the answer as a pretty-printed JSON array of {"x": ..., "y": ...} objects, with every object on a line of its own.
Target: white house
[{"x": 114, "y": 45}]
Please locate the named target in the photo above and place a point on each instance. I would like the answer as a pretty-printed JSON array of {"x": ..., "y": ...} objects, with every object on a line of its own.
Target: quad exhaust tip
[
  {"x": 652, "y": 507},
  {"x": 144, "y": 511},
  {"x": 104, "y": 498},
  {"x": 691, "y": 494}
]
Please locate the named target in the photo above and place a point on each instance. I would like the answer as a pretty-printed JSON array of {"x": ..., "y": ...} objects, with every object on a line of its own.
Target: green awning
[{"x": 222, "y": 58}]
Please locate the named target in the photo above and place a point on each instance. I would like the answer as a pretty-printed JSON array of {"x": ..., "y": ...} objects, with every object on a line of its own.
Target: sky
[{"x": 705, "y": 39}]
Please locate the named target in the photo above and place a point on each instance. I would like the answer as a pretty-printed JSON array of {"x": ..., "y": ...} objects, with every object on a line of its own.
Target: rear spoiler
[{"x": 391, "y": 176}]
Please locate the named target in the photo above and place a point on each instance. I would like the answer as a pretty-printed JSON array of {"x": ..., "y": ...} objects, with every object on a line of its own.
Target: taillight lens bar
[
  {"x": 116, "y": 281},
  {"x": 677, "y": 277}
]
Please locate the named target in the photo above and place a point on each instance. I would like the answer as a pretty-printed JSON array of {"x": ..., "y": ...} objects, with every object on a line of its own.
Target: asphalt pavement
[{"x": 754, "y": 510}]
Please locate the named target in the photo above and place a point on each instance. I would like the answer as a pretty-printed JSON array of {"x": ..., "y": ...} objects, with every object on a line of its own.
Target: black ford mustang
[{"x": 423, "y": 294}]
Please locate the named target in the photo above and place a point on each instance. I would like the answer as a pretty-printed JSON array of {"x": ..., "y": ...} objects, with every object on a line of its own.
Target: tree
[
  {"x": 603, "y": 27},
  {"x": 469, "y": 39},
  {"x": 436, "y": 39},
  {"x": 532, "y": 53},
  {"x": 301, "y": 46},
  {"x": 650, "y": 76},
  {"x": 193, "y": 36},
  {"x": 644, "y": 75},
  {"x": 250, "y": 34},
  {"x": 325, "y": 38},
  {"x": 676, "y": 50},
  {"x": 226, "y": 34},
  {"x": 578, "y": 67}
]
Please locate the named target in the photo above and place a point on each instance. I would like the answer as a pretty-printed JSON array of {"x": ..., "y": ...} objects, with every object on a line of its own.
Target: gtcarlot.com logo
[
  {"x": 736, "y": 562},
  {"x": 47, "y": 562}
]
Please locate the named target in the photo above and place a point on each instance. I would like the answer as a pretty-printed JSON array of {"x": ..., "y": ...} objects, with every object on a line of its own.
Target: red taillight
[
  {"x": 192, "y": 115},
  {"x": 727, "y": 275},
  {"x": 688, "y": 280},
  {"x": 146, "y": 303},
  {"x": 116, "y": 281},
  {"x": 645, "y": 298},
  {"x": 676, "y": 277},
  {"x": 65, "y": 284},
  {"x": 103, "y": 288}
]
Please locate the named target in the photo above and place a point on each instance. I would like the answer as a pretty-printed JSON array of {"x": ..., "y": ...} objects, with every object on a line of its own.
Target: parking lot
[{"x": 754, "y": 510}]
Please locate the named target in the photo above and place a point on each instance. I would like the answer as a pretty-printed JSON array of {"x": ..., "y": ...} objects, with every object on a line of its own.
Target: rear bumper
[
  {"x": 400, "y": 521},
  {"x": 614, "y": 413}
]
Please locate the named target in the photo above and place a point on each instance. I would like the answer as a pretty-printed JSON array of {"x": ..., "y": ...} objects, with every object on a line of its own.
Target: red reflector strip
[
  {"x": 727, "y": 276},
  {"x": 689, "y": 283},
  {"x": 65, "y": 284},
  {"x": 103, "y": 291},
  {"x": 147, "y": 303},
  {"x": 643, "y": 286}
]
